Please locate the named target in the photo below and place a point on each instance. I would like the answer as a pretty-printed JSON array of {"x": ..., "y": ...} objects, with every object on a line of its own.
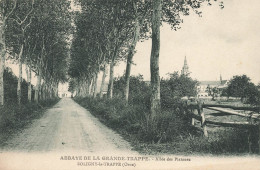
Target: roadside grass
[
  {"x": 171, "y": 133},
  {"x": 228, "y": 142},
  {"x": 14, "y": 118}
]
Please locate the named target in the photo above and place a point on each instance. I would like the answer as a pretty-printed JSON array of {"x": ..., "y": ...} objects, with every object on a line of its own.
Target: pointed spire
[
  {"x": 185, "y": 68},
  {"x": 220, "y": 78},
  {"x": 185, "y": 60}
]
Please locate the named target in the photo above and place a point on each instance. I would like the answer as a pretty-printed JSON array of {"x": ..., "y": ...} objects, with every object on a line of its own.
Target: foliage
[
  {"x": 72, "y": 85},
  {"x": 170, "y": 131},
  {"x": 132, "y": 120},
  {"x": 252, "y": 94},
  {"x": 212, "y": 91},
  {"x": 218, "y": 143},
  {"x": 10, "y": 84},
  {"x": 172, "y": 89},
  {"x": 241, "y": 86},
  {"x": 175, "y": 87},
  {"x": 139, "y": 91},
  {"x": 36, "y": 33}
]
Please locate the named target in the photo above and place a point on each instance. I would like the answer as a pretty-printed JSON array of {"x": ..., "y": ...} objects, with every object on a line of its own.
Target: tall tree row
[
  {"x": 6, "y": 10},
  {"x": 101, "y": 37},
  {"x": 108, "y": 31},
  {"x": 36, "y": 34}
]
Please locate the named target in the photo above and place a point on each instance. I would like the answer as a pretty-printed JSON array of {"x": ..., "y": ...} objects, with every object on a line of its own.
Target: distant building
[{"x": 202, "y": 87}]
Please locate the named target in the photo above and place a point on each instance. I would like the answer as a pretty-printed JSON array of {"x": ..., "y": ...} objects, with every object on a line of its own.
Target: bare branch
[
  {"x": 18, "y": 18},
  {"x": 23, "y": 29},
  {"x": 27, "y": 15}
]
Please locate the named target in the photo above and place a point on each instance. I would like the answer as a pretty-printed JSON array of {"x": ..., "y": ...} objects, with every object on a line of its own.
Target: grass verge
[
  {"x": 14, "y": 119},
  {"x": 171, "y": 132}
]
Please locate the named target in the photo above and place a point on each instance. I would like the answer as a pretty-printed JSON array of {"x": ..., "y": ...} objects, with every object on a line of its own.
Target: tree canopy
[
  {"x": 36, "y": 34},
  {"x": 242, "y": 87}
]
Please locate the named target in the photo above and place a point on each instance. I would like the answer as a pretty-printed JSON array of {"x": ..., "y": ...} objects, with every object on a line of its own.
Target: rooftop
[{"x": 212, "y": 83}]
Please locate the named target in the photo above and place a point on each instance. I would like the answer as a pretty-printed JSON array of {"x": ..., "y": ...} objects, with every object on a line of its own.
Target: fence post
[
  {"x": 187, "y": 105},
  {"x": 203, "y": 120}
]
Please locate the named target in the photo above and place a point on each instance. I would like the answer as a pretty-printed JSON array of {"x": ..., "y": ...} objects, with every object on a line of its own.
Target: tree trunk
[
  {"x": 29, "y": 84},
  {"x": 103, "y": 80},
  {"x": 29, "y": 75},
  {"x": 57, "y": 90},
  {"x": 19, "y": 84},
  {"x": 2, "y": 61},
  {"x": 2, "y": 67},
  {"x": 50, "y": 91},
  {"x": 38, "y": 86},
  {"x": 77, "y": 88},
  {"x": 47, "y": 91},
  {"x": 43, "y": 87},
  {"x": 111, "y": 79},
  {"x": 130, "y": 58},
  {"x": 154, "y": 60},
  {"x": 83, "y": 83},
  {"x": 87, "y": 87},
  {"x": 82, "y": 90},
  {"x": 92, "y": 86},
  {"x": 95, "y": 85},
  {"x": 50, "y": 88}
]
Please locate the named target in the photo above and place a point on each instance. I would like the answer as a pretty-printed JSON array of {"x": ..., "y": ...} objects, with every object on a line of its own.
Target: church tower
[{"x": 185, "y": 68}]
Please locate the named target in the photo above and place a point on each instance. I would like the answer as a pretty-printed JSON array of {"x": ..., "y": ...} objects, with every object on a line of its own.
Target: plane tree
[
  {"x": 36, "y": 33},
  {"x": 16, "y": 35},
  {"x": 7, "y": 8},
  {"x": 170, "y": 12},
  {"x": 122, "y": 24},
  {"x": 48, "y": 46},
  {"x": 102, "y": 37}
]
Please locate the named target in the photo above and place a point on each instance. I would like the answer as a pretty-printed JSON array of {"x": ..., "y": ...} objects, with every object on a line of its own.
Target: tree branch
[
  {"x": 27, "y": 15},
  {"x": 23, "y": 29},
  {"x": 10, "y": 13}
]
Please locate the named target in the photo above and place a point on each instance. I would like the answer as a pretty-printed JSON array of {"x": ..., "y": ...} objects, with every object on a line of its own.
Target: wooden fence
[{"x": 196, "y": 111}]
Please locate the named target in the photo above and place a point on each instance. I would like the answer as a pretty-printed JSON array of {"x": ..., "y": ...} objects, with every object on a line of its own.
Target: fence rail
[{"x": 254, "y": 118}]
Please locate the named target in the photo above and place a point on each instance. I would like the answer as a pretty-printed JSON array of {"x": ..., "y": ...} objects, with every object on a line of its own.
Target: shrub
[
  {"x": 10, "y": 88},
  {"x": 241, "y": 86},
  {"x": 171, "y": 127},
  {"x": 175, "y": 87},
  {"x": 139, "y": 91},
  {"x": 134, "y": 119}
]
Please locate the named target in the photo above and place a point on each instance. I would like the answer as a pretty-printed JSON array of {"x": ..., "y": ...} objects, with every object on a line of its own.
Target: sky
[{"x": 222, "y": 41}]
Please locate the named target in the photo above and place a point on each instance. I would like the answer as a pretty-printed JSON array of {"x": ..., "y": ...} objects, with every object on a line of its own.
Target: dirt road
[{"x": 67, "y": 127}]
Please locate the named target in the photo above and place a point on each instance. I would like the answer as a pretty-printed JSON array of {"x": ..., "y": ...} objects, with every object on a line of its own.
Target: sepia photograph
[{"x": 129, "y": 84}]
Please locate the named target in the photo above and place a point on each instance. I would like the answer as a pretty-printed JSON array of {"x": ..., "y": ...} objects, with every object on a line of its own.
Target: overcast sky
[{"x": 220, "y": 42}]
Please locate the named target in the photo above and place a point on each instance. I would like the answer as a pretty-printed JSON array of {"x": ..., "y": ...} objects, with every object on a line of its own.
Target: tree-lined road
[{"x": 68, "y": 127}]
